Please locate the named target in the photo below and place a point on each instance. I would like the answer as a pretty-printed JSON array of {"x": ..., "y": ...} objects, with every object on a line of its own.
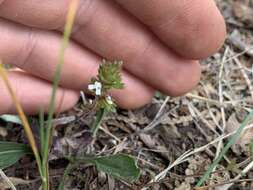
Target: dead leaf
[
  {"x": 242, "y": 144},
  {"x": 3, "y": 132},
  {"x": 184, "y": 186},
  {"x": 15, "y": 181},
  {"x": 243, "y": 12}
]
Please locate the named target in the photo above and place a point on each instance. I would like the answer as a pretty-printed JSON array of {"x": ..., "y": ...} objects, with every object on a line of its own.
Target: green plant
[
  {"x": 11, "y": 152},
  {"x": 108, "y": 78},
  {"x": 120, "y": 166}
]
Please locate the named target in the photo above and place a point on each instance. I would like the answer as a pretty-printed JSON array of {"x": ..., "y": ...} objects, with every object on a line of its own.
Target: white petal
[
  {"x": 98, "y": 92},
  {"x": 91, "y": 87},
  {"x": 98, "y": 84}
]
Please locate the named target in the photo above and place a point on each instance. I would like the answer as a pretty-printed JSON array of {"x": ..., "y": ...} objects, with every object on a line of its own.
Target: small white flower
[
  {"x": 90, "y": 101},
  {"x": 109, "y": 100},
  {"x": 97, "y": 87}
]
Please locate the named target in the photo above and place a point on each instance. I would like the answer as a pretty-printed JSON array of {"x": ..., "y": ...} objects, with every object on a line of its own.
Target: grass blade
[
  {"x": 67, "y": 32},
  {"x": 49, "y": 128},
  {"x": 65, "y": 42},
  {"x": 225, "y": 149},
  {"x": 42, "y": 130}
]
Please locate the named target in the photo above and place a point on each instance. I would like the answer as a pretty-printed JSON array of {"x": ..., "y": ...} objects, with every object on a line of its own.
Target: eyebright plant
[
  {"x": 108, "y": 78},
  {"x": 119, "y": 165}
]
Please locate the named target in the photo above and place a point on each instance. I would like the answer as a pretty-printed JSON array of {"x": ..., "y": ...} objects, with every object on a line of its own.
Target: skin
[{"x": 160, "y": 42}]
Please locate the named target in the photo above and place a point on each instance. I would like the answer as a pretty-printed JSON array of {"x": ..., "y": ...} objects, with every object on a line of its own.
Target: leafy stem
[
  {"x": 108, "y": 78},
  {"x": 99, "y": 117}
]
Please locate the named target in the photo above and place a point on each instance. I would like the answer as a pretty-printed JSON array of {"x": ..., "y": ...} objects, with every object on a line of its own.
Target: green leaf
[
  {"x": 99, "y": 117},
  {"x": 11, "y": 118},
  {"x": 120, "y": 166},
  {"x": 109, "y": 75},
  {"x": 11, "y": 152},
  {"x": 102, "y": 103}
]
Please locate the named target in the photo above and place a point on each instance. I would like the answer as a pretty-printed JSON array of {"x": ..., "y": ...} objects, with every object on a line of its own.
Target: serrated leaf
[
  {"x": 120, "y": 166},
  {"x": 11, "y": 118},
  {"x": 109, "y": 75},
  {"x": 11, "y": 152}
]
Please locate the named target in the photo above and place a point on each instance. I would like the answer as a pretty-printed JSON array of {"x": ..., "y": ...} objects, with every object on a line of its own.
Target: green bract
[
  {"x": 108, "y": 78},
  {"x": 109, "y": 75},
  {"x": 107, "y": 106}
]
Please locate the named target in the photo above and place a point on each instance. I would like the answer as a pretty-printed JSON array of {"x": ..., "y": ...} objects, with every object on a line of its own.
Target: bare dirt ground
[{"x": 159, "y": 134}]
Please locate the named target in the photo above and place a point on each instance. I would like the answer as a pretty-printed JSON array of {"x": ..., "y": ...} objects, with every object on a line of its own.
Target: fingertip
[
  {"x": 206, "y": 31},
  {"x": 209, "y": 38},
  {"x": 66, "y": 99},
  {"x": 134, "y": 95},
  {"x": 134, "y": 100}
]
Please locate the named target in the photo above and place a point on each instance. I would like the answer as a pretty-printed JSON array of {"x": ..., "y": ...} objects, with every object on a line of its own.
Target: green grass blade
[
  {"x": 65, "y": 42},
  {"x": 42, "y": 130},
  {"x": 225, "y": 149},
  {"x": 49, "y": 128}
]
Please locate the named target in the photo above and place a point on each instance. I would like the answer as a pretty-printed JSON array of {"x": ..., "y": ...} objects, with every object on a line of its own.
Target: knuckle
[
  {"x": 2, "y": 1},
  {"x": 205, "y": 28},
  {"x": 84, "y": 14},
  {"x": 25, "y": 54}
]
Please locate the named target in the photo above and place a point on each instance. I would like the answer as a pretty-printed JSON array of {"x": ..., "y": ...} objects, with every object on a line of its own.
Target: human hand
[{"x": 159, "y": 41}]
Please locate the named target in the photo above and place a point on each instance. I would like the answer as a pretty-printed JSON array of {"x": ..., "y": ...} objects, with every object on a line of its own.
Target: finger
[
  {"x": 110, "y": 32},
  {"x": 33, "y": 94},
  {"x": 37, "y": 52},
  {"x": 114, "y": 34},
  {"x": 194, "y": 29}
]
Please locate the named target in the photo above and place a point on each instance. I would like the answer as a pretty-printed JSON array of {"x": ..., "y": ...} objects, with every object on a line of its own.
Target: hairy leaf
[
  {"x": 120, "y": 166},
  {"x": 11, "y": 152},
  {"x": 11, "y": 118}
]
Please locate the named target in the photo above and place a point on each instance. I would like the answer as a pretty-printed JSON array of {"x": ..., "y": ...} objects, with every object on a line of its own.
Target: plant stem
[
  {"x": 99, "y": 117},
  {"x": 42, "y": 130}
]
